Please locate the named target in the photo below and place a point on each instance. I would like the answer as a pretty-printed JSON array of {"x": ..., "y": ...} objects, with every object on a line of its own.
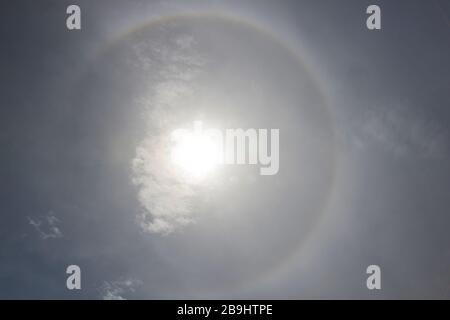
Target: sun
[{"x": 195, "y": 154}]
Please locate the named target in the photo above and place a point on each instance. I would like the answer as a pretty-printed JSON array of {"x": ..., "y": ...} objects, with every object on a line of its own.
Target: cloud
[
  {"x": 46, "y": 226},
  {"x": 400, "y": 130},
  {"x": 115, "y": 290},
  {"x": 167, "y": 200}
]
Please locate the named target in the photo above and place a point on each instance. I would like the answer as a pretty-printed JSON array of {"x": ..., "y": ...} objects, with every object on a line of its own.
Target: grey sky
[{"x": 364, "y": 147}]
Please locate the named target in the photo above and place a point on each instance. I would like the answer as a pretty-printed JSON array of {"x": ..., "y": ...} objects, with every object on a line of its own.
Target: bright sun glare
[{"x": 196, "y": 154}]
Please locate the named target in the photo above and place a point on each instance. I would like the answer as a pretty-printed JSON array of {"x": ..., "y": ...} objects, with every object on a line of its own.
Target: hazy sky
[{"x": 364, "y": 147}]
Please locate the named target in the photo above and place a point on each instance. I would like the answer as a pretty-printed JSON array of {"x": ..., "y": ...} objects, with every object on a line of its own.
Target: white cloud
[
  {"x": 115, "y": 290},
  {"x": 46, "y": 226},
  {"x": 400, "y": 130},
  {"x": 168, "y": 202}
]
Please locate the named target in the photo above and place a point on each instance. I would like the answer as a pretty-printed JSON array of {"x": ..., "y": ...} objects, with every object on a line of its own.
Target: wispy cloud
[
  {"x": 46, "y": 226},
  {"x": 115, "y": 290},
  {"x": 400, "y": 130},
  {"x": 167, "y": 201}
]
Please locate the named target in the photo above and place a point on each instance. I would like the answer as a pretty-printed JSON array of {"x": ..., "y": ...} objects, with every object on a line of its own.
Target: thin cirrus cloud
[
  {"x": 398, "y": 130},
  {"x": 46, "y": 226},
  {"x": 115, "y": 290},
  {"x": 167, "y": 200}
]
